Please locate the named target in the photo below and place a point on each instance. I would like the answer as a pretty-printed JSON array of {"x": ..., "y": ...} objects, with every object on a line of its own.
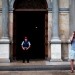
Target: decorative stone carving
[
  {"x": 49, "y": 3},
  {"x": 11, "y": 3},
  {"x": 31, "y": 4}
]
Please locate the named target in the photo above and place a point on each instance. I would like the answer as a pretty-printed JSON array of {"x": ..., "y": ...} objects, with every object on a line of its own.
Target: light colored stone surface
[
  {"x": 4, "y": 51},
  {"x": 55, "y": 51},
  {"x": 49, "y": 32},
  {"x": 64, "y": 26},
  {"x": 64, "y": 3},
  {"x": 64, "y": 51},
  {"x": 58, "y": 63},
  {"x": 20, "y": 63},
  {"x": 46, "y": 72},
  {"x": 41, "y": 63},
  {"x": 0, "y": 24},
  {"x": 49, "y": 25},
  {"x": 11, "y": 25},
  {"x": 11, "y": 33},
  {"x": 0, "y": 3},
  {"x": 63, "y": 23},
  {"x": 69, "y": 49}
]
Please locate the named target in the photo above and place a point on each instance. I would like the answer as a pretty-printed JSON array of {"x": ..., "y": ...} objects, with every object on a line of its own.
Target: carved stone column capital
[
  {"x": 49, "y": 3},
  {"x": 11, "y": 4}
]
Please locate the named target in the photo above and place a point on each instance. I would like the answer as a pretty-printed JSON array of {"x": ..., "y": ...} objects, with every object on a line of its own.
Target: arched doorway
[{"x": 30, "y": 19}]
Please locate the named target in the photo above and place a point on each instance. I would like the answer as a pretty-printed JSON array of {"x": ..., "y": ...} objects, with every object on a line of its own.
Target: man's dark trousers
[{"x": 25, "y": 55}]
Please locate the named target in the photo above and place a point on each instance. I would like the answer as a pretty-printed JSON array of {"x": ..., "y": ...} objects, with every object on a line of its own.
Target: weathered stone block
[
  {"x": 49, "y": 26},
  {"x": 4, "y": 50},
  {"x": 64, "y": 26},
  {"x": 49, "y": 33},
  {"x": 0, "y": 3},
  {"x": 63, "y": 3},
  {"x": 64, "y": 51},
  {"x": 11, "y": 25}
]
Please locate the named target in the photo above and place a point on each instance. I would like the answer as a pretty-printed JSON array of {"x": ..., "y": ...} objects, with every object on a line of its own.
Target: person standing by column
[
  {"x": 72, "y": 52},
  {"x": 25, "y": 47}
]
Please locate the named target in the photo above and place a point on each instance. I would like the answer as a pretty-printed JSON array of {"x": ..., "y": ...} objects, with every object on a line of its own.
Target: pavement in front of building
[
  {"x": 48, "y": 72},
  {"x": 36, "y": 68},
  {"x": 35, "y": 62}
]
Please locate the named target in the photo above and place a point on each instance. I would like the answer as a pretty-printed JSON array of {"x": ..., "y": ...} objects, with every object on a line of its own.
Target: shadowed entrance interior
[{"x": 32, "y": 25}]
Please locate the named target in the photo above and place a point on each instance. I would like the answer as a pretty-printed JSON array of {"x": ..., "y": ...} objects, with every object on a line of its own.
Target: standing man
[{"x": 25, "y": 47}]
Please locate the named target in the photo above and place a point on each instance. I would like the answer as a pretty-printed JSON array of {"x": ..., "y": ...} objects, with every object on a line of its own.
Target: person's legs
[
  {"x": 72, "y": 58},
  {"x": 23, "y": 56},
  {"x": 27, "y": 55},
  {"x": 72, "y": 65}
]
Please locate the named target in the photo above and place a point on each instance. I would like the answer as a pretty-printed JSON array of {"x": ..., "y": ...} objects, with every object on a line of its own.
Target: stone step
[{"x": 35, "y": 68}]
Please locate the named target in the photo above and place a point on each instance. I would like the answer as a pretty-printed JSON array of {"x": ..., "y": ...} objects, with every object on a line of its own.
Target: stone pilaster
[
  {"x": 11, "y": 4},
  {"x": 49, "y": 3},
  {"x": 72, "y": 16},
  {"x": 5, "y": 19},
  {"x": 4, "y": 41},
  {"x": 55, "y": 22},
  {"x": 55, "y": 41}
]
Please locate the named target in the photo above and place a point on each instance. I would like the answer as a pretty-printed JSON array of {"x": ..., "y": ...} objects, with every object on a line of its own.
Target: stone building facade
[{"x": 60, "y": 25}]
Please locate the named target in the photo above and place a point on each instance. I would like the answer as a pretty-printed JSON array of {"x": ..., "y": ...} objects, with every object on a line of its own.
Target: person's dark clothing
[
  {"x": 25, "y": 55},
  {"x": 25, "y": 44}
]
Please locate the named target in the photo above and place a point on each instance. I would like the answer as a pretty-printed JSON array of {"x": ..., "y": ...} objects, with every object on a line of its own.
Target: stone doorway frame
[
  {"x": 49, "y": 9},
  {"x": 45, "y": 36}
]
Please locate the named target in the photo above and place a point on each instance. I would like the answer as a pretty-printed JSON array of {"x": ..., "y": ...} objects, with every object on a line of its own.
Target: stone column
[
  {"x": 72, "y": 16},
  {"x": 72, "y": 21},
  {"x": 4, "y": 41},
  {"x": 55, "y": 23},
  {"x": 4, "y": 18},
  {"x": 55, "y": 41}
]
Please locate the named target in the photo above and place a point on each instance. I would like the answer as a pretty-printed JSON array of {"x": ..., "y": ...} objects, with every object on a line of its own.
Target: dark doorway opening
[{"x": 31, "y": 24}]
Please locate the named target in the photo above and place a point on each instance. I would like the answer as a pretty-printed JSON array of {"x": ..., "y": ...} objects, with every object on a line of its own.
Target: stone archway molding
[
  {"x": 11, "y": 3},
  {"x": 11, "y": 8},
  {"x": 5, "y": 52},
  {"x": 49, "y": 5}
]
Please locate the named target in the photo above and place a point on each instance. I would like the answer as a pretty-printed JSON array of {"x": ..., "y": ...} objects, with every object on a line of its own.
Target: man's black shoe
[
  {"x": 27, "y": 61},
  {"x": 23, "y": 61}
]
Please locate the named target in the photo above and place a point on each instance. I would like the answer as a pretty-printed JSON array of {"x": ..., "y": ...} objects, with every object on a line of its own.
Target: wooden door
[
  {"x": 46, "y": 35},
  {"x": 14, "y": 35}
]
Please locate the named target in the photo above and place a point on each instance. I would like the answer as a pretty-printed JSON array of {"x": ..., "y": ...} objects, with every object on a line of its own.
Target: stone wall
[
  {"x": 64, "y": 33},
  {"x": 10, "y": 22},
  {"x": 64, "y": 3},
  {"x": 63, "y": 25},
  {"x": 0, "y": 3},
  {"x": 63, "y": 28}
]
